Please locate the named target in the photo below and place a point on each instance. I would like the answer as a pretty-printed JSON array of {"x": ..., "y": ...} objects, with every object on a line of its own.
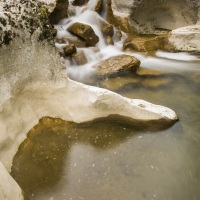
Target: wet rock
[
  {"x": 73, "y": 40},
  {"x": 85, "y": 32},
  {"x": 109, "y": 40},
  {"x": 79, "y": 58},
  {"x": 118, "y": 35},
  {"x": 69, "y": 49},
  {"x": 144, "y": 44},
  {"x": 99, "y": 6},
  {"x": 185, "y": 39},
  {"x": 149, "y": 72},
  {"x": 59, "y": 12},
  {"x": 79, "y": 2},
  {"x": 118, "y": 63}
]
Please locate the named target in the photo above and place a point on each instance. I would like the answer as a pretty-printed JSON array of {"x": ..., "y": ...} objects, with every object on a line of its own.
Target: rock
[
  {"x": 78, "y": 42},
  {"x": 59, "y": 12},
  {"x": 118, "y": 63},
  {"x": 85, "y": 32},
  {"x": 79, "y": 2},
  {"x": 109, "y": 40},
  {"x": 69, "y": 49},
  {"x": 144, "y": 44},
  {"x": 153, "y": 16},
  {"x": 99, "y": 6},
  {"x": 185, "y": 39},
  {"x": 79, "y": 58},
  {"x": 118, "y": 35}
]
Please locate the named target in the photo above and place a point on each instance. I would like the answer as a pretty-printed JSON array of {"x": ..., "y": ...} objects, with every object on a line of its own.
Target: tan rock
[
  {"x": 69, "y": 49},
  {"x": 118, "y": 63}
]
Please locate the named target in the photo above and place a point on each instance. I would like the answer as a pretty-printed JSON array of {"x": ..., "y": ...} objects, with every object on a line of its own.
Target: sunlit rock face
[
  {"x": 155, "y": 16},
  {"x": 185, "y": 39}
]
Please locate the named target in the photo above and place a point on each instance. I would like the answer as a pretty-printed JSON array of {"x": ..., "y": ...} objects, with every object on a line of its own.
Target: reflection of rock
[
  {"x": 79, "y": 57},
  {"x": 153, "y": 16},
  {"x": 185, "y": 39},
  {"x": 118, "y": 63},
  {"x": 85, "y": 32}
]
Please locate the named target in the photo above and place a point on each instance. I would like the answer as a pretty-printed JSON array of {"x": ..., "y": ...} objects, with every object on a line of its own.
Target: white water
[{"x": 163, "y": 61}]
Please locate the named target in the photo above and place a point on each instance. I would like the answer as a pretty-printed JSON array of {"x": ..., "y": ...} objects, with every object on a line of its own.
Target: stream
[{"x": 111, "y": 160}]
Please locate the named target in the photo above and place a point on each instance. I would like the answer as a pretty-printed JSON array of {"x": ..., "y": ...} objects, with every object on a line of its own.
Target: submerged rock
[
  {"x": 118, "y": 63},
  {"x": 185, "y": 39},
  {"x": 85, "y": 32}
]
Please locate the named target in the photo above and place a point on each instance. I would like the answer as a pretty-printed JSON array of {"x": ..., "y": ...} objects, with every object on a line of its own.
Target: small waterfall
[{"x": 85, "y": 13}]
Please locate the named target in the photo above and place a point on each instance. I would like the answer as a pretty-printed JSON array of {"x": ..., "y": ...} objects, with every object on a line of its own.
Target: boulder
[
  {"x": 185, "y": 39},
  {"x": 117, "y": 64},
  {"x": 153, "y": 16},
  {"x": 85, "y": 32}
]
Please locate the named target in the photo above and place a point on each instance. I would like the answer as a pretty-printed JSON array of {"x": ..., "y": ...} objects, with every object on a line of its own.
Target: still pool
[{"x": 115, "y": 161}]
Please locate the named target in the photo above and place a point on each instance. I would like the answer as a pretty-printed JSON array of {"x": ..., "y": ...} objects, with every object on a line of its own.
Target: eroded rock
[
  {"x": 185, "y": 39},
  {"x": 79, "y": 57},
  {"x": 118, "y": 63},
  {"x": 85, "y": 32}
]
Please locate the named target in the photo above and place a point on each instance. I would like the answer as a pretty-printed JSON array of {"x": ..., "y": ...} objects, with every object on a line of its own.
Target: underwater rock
[
  {"x": 118, "y": 63},
  {"x": 85, "y": 32}
]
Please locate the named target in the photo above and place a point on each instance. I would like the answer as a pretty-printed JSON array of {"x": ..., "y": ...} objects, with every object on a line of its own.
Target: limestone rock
[
  {"x": 79, "y": 58},
  {"x": 85, "y": 32},
  {"x": 118, "y": 63},
  {"x": 69, "y": 49},
  {"x": 153, "y": 16},
  {"x": 185, "y": 39}
]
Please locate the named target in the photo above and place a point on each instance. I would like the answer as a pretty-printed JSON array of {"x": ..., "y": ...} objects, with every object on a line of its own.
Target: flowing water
[{"x": 111, "y": 160}]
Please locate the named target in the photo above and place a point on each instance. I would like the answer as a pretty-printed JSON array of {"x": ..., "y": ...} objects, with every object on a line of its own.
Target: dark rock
[
  {"x": 69, "y": 49},
  {"x": 118, "y": 63},
  {"x": 85, "y": 32},
  {"x": 59, "y": 12},
  {"x": 99, "y": 6},
  {"x": 79, "y": 2},
  {"x": 80, "y": 58}
]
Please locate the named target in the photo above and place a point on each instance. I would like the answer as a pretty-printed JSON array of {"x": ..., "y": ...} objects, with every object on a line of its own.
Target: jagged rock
[
  {"x": 118, "y": 63},
  {"x": 79, "y": 58},
  {"x": 59, "y": 12},
  {"x": 85, "y": 32},
  {"x": 69, "y": 49},
  {"x": 185, "y": 39},
  {"x": 153, "y": 16}
]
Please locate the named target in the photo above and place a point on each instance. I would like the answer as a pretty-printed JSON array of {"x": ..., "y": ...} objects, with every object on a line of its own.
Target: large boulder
[
  {"x": 153, "y": 16},
  {"x": 117, "y": 64},
  {"x": 85, "y": 32},
  {"x": 185, "y": 39}
]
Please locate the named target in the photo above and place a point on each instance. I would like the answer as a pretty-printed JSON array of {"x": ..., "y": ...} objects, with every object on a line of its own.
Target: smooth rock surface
[
  {"x": 185, "y": 39},
  {"x": 153, "y": 16},
  {"x": 118, "y": 63},
  {"x": 85, "y": 32}
]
